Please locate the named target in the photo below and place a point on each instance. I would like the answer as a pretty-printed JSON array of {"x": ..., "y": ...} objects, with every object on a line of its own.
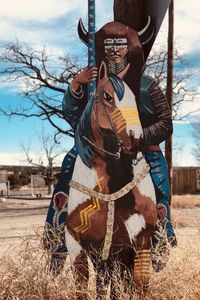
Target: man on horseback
[{"x": 114, "y": 46}]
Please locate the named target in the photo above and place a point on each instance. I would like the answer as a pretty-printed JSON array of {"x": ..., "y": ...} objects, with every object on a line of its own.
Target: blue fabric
[
  {"x": 159, "y": 175},
  {"x": 62, "y": 186},
  {"x": 118, "y": 86},
  {"x": 73, "y": 108}
]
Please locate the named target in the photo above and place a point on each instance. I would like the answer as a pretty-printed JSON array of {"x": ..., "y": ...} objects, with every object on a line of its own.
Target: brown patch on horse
[
  {"x": 145, "y": 206},
  {"x": 88, "y": 220}
]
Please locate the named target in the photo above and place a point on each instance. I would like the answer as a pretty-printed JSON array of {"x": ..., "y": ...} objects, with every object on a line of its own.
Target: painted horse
[{"x": 112, "y": 205}]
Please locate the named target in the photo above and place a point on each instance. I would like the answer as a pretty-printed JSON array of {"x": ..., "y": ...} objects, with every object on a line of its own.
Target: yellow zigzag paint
[{"x": 86, "y": 213}]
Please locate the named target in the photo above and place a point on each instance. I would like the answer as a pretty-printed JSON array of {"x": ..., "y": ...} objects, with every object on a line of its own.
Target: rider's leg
[{"x": 159, "y": 175}]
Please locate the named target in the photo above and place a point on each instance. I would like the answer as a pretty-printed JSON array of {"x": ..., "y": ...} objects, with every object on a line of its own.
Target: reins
[{"x": 116, "y": 155}]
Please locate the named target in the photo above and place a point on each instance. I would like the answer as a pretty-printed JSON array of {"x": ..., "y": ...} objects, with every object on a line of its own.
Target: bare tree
[
  {"x": 182, "y": 91},
  {"x": 196, "y": 136},
  {"x": 43, "y": 80},
  {"x": 44, "y": 161}
]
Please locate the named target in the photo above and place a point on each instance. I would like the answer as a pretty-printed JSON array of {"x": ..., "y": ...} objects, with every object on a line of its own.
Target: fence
[
  {"x": 4, "y": 183},
  {"x": 38, "y": 185},
  {"x": 186, "y": 180}
]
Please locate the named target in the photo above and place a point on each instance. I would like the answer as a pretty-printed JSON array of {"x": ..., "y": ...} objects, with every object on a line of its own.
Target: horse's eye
[{"x": 108, "y": 97}]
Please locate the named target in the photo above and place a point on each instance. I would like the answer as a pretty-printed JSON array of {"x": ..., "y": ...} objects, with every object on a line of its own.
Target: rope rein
[
  {"x": 116, "y": 155},
  {"x": 114, "y": 196}
]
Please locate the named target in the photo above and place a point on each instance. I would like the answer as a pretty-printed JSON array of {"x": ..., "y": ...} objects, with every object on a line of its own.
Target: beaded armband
[{"x": 77, "y": 94}]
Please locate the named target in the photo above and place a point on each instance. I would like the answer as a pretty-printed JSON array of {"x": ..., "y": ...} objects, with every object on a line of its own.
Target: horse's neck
[{"x": 95, "y": 177}]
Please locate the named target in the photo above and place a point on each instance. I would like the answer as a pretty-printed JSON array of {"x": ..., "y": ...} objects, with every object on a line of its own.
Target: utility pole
[
  {"x": 130, "y": 12},
  {"x": 169, "y": 93}
]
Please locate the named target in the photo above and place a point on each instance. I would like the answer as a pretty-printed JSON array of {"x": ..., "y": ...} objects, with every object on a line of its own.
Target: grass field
[{"x": 24, "y": 271}]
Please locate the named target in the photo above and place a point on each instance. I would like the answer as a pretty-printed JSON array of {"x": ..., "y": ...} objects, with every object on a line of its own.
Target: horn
[
  {"x": 147, "y": 32},
  {"x": 82, "y": 32}
]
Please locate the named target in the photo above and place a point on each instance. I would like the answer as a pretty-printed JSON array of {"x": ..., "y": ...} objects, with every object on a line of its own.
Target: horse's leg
[
  {"x": 117, "y": 280},
  {"x": 79, "y": 261},
  {"x": 102, "y": 278},
  {"x": 141, "y": 273},
  {"x": 102, "y": 281},
  {"x": 81, "y": 275},
  {"x": 142, "y": 264}
]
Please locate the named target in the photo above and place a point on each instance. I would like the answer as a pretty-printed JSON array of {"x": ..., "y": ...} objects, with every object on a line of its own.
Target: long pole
[
  {"x": 91, "y": 44},
  {"x": 169, "y": 94}
]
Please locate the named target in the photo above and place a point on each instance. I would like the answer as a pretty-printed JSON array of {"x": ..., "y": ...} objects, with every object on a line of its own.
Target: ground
[{"x": 20, "y": 218}]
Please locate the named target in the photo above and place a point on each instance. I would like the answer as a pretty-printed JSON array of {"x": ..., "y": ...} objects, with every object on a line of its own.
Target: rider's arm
[
  {"x": 75, "y": 98},
  {"x": 162, "y": 128},
  {"x": 73, "y": 105}
]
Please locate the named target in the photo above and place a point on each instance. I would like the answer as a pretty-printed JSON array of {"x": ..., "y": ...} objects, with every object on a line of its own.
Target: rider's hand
[{"x": 85, "y": 76}]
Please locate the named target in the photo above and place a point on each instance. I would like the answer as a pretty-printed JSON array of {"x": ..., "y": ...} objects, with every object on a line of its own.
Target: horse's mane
[{"x": 118, "y": 85}]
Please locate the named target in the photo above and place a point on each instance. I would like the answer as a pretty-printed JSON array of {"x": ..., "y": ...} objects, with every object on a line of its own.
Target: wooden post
[
  {"x": 169, "y": 93},
  {"x": 130, "y": 12}
]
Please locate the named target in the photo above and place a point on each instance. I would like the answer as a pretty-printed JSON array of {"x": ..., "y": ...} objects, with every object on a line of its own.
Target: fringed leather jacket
[{"x": 154, "y": 112}]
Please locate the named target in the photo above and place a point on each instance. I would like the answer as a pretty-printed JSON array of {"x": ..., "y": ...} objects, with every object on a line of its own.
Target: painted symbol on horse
[{"x": 112, "y": 206}]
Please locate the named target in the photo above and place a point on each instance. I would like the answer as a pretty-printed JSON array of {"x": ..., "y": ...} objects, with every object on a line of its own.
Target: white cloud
[
  {"x": 36, "y": 10},
  {"x": 187, "y": 21},
  {"x": 16, "y": 15},
  {"x": 18, "y": 19},
  {"x": 12, "y": 158},
  {"x": 18, "y": 158}
]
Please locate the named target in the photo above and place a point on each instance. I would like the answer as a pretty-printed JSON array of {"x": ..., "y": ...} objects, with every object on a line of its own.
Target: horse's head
[{"x": 114, "y": 116}]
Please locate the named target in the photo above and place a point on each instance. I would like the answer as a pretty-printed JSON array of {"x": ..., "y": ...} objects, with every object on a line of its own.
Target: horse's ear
[{"x": 103, "y": 71}]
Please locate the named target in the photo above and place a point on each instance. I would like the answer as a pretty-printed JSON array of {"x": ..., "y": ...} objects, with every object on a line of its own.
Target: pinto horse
[{"x": 112, "y": 204}]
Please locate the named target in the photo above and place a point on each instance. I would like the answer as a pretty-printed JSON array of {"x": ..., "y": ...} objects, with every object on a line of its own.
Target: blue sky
[{"x": 53, "y": 23}]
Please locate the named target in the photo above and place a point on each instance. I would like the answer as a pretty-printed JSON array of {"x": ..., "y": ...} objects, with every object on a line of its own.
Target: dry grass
[
  {"x": 185, "y": 201},
  {"x": 180, "y": 220},
  {"x": 26, "y": 276},
  {"x": 186, "y": 211},
  {"x": 181, "y": 278}
]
